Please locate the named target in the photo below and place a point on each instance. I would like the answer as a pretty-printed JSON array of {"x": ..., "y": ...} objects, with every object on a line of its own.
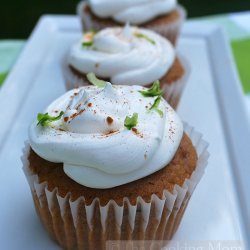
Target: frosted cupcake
[
  {"x": 111, "y": 162},
  {"x": 127, "y": 56},
  {"x": 163, "y": 16}
]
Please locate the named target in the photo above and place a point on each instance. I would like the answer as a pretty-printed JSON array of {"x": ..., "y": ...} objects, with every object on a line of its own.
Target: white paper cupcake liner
[
  {"x": 171, "y": 92},
  {"x": 170, "y": 31},
  {"x": 76, "y": 225}
]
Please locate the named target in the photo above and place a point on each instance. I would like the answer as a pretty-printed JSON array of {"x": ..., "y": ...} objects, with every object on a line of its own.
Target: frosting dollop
[
  {"x": 133, "y": 11},
  {"x": 93, "y": 144},
  {"x": 125, "y": 56}
]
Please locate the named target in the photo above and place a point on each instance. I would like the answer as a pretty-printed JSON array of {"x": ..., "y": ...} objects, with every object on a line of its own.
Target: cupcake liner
[
  {"x": 171, "y": 91},
  {"x": 170, "y": 30},
  {"x": 76, "y": 225}
]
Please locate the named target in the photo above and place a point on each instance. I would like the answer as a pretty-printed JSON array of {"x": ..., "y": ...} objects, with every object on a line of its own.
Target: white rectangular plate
[{"x": 211, "y": 103}]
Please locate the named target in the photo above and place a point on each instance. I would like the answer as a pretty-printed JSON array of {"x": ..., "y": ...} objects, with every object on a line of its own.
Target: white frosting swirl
[
  {"x": 121, "y": 56},
  {"x": 91, "y": 141},
  {"x": 133, "y": 11}
]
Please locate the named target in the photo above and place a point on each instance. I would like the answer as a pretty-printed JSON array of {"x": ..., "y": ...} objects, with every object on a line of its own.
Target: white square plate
[{"x": 212, "y": 103}]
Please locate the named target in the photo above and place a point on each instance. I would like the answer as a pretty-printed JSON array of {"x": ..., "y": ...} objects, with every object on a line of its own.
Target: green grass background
[
  {"x": 2, "y": 77},
  {"x": 241, "y": 51}
]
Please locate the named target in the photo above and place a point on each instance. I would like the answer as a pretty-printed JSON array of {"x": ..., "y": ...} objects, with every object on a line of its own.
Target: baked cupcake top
[
  {"x": 108, "y": 135},
  {"x": 125, "y": 56},
  {"x": 132, "y": 11}
]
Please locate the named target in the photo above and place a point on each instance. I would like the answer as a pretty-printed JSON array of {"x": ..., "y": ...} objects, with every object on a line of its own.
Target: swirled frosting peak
[
  {"x": 125, "y": 56},
  {"x": 133, "y": 11},
  {"x": 108, "y": 136}
]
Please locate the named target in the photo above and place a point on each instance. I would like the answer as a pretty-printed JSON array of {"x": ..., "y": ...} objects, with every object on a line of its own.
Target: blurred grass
[
  {"x": 242, "y": 61},
  {"x": 2, "y": 77},
  {"x": 18, "y": 17}
]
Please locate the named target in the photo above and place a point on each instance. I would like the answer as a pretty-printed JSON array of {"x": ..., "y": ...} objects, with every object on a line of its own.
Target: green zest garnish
[
  {"x": 95, "y": 81},
  {"x": 155, "y": 106},
  {"x": 45, "y": 119},
  {"x": 140, "y": 35},
  {"x": 131, "y": 122},
  {"x": 155, "y": 90},
  {"x": 87, "y": 44},
  {"x": 88, "y": 38}
]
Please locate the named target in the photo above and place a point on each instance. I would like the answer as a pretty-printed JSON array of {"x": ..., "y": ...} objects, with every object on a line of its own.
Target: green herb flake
[
  {"x": 155, "y": 106},
  {"x": 95, "y": 81},
  {"x": 140, "y": 35},
  {"x": 131, "y": 122},
  {"x": 88, "y": 39},
  {"x": 87, "y": 44},
  {"x": 45, "y": 119},
  {"x": 155, "y": 90}
]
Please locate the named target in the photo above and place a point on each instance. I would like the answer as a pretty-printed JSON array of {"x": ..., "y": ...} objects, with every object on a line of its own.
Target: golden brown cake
[{"x": 175, "y": 173}]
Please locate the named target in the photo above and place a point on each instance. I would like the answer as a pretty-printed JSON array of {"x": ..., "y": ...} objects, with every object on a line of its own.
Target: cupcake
[
  {"x": 163, "y": 16},
  {"x": 127, "y": 56},
  {"x": 109, "y": 162}
]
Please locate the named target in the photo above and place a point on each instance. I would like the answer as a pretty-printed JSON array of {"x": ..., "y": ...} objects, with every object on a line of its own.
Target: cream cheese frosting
[
  {"x": 125, "y": 56},
  {"x": 93, "y": 144},
  {"x": 133, "y": 11}
]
